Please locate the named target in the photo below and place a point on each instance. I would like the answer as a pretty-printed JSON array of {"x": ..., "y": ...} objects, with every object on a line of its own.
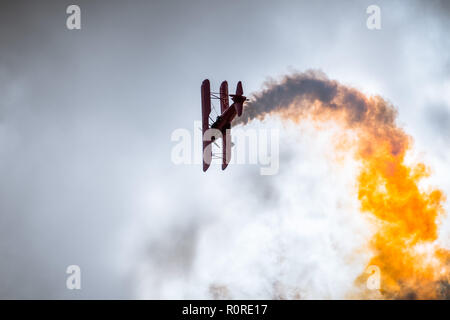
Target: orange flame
[{"x": 406, "y": 217}]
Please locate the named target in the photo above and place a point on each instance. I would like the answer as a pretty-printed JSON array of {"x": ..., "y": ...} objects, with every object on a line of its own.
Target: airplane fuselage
[{"x": 223, "y": 121}]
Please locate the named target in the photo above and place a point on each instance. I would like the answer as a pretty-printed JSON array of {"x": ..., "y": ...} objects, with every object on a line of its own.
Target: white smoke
[{"x": 298, "y": 234}]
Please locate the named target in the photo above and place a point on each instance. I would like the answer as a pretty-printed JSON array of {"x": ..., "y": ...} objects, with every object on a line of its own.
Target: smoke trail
[{"x": 406, "y": 217}]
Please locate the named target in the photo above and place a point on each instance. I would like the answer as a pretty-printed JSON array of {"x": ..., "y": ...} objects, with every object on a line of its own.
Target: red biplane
[{"x": 222, "y": 122}]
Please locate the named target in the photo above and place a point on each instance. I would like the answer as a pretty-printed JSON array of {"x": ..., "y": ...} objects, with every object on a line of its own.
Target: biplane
[{"x": 223, "y": 120}]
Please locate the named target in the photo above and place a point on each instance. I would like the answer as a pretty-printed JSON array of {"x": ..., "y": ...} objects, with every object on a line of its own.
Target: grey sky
[{"x": 86, "y": 118}]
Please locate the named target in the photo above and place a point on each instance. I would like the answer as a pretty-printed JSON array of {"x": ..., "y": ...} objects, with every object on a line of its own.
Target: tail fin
[{"x": 239, "y": 90}]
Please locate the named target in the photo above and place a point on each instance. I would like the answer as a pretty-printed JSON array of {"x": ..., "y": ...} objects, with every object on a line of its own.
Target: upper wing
[
  {"x": 206, "y": 110},
  {"x": 224, "y": 97}
]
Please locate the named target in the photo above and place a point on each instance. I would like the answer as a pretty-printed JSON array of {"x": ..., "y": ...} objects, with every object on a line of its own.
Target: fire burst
[{"x": 406, "y": 217}]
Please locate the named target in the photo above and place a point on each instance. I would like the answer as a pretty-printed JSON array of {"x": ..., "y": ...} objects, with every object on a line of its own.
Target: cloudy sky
[{"x": 86, "y": 118}]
